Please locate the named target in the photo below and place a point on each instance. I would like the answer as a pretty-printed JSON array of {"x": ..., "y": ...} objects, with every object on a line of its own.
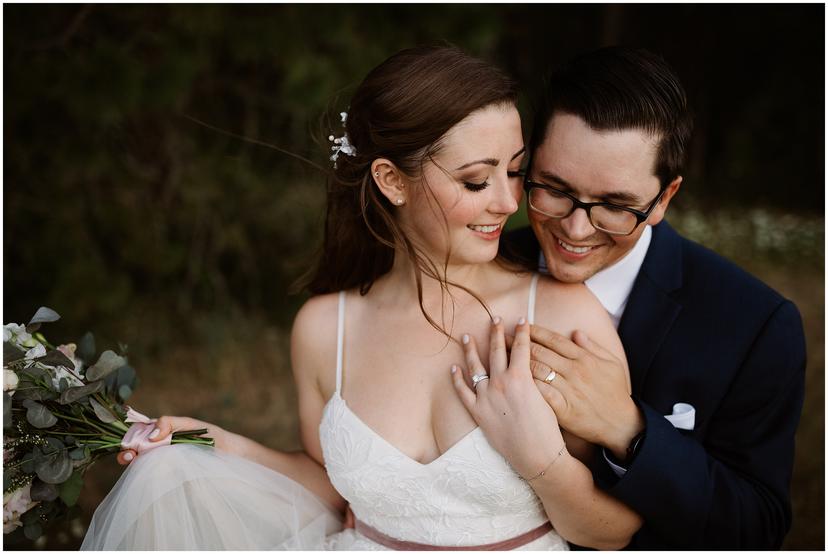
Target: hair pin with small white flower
[{"x": 342, "y": 145}]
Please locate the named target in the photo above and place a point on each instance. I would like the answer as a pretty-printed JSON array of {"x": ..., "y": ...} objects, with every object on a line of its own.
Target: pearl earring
[
  {"x": 376, "y": 174},
  {"x": 399, "y": 201}
]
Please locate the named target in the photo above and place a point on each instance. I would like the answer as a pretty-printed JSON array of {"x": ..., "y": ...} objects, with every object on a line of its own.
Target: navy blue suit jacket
[{"x": 697, "y": 329}]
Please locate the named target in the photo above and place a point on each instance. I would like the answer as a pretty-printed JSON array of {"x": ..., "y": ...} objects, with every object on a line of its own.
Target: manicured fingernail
[
  {"x": 465, "y": 339},
  {"x": 154, "y": 433},
  {"x": 521, "y": 321},
  {"x": 129, "y": 456},
  {"x": 454, "y": 369},
  {"x": 496, "y": 320}
]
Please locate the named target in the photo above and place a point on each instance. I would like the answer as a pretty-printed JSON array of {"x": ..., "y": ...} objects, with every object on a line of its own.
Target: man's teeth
[
  {"x": 574, "y": 249},
  {"x": 484, "y": 228}
]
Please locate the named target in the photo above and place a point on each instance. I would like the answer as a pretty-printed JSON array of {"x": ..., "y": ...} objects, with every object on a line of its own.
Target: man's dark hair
[{"x": 620, "y": 88}]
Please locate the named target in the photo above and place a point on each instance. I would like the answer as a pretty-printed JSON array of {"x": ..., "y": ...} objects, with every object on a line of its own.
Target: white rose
[
  {"x": 17, "y": 334},
  {"x": 10, "y": 380},
  {"x": 15, "y": 504},
  {"x": 33, "y": 353}
]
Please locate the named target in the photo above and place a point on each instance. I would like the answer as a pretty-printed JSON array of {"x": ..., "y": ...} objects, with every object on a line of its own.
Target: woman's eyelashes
[{"x": 475, "y": 187}]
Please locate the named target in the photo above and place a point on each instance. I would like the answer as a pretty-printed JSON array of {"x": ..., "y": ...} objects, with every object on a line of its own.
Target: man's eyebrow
[{"x": 616, "y": 197}]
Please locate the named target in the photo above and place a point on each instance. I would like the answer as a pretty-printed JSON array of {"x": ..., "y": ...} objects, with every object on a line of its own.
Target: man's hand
[{"x": 590, "y": 389}]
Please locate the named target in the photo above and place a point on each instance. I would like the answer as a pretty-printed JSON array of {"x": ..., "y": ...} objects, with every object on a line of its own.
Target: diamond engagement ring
[
  {"x": 551, "y": 377},
  {"x": 477, "y": 378}
]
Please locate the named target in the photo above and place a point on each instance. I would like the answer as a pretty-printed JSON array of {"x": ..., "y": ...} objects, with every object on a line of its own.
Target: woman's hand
[
  {"x": 514, "y": 416},
  {"x": 166, "y": 425}
]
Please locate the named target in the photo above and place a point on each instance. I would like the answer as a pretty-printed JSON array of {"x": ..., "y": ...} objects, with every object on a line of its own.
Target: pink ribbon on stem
[{"x": 137, "y": 436}]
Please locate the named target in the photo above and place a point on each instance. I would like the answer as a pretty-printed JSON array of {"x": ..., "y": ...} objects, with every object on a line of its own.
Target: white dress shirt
[{"x": 612, "y": 285}]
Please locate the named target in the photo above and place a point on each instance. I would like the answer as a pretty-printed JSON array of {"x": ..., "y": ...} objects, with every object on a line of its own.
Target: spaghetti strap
[
  {"x": 340, "y": 335},
  {"x": 533, "y": 288}
]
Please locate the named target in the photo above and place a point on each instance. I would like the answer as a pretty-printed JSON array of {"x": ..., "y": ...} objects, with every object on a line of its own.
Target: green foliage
[{"x": 71, "y": 488}]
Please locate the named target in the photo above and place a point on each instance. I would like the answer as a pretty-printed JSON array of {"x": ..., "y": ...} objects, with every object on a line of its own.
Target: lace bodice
[{"x": 469, "y": 495}]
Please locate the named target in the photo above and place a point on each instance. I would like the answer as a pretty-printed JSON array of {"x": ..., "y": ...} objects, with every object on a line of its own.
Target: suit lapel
[{"x": 651, "y": 311}]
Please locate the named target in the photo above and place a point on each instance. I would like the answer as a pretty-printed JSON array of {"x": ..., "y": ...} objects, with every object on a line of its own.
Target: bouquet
[{"x": 63, "y": 409}]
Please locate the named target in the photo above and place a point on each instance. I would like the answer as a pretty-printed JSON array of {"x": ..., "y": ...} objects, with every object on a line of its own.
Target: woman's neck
[{"x": 400, "y": 284}]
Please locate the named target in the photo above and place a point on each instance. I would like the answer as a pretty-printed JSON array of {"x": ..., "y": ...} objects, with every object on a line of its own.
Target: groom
[{"x": 703, "y": 447}]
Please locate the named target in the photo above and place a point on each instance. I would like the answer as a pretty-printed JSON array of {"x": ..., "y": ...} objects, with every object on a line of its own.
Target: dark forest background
[{"x": 132, "y": 207}]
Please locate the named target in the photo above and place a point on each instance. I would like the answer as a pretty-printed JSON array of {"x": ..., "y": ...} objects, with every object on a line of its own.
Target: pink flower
[
  {"x": 15, "y": 504},
  {"x": 68, "y": 350}
]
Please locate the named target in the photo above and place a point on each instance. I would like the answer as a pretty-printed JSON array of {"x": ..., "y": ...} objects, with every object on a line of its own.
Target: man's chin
[{"x": 569, "y": 273}]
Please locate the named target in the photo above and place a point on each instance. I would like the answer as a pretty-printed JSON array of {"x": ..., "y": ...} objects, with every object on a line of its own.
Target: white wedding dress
[{"x": 186, "y": 497}]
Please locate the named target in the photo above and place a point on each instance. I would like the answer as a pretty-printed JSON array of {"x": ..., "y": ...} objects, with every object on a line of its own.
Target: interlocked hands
[{"x": 508, "y": 407}]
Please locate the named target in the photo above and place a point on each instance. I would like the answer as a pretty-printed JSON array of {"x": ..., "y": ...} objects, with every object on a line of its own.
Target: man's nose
[{"x": 577, "y": 225}]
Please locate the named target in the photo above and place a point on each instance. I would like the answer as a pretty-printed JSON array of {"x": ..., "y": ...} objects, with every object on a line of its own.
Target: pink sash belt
[{"x": 396, "y": 544}]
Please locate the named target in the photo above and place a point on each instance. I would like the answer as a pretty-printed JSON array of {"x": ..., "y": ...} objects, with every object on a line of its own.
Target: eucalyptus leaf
[
  {"x": 126, "y": 376},
  {"x": 69, "y": 440},
  {"x": 71, "y": 488},
  {"x": 41, "y": 491},
  {"x": 35, "y": 373},
  {"x": 39, "y": 416},
  {"x": 54, "y": 445},
  {"x": 78, "y": 454},
  {"x": 124, "y": 391},
  {"x": 73, "y": 394},
  {"x": 54, "y": 468},
  {"x": 44, "y": 315},
  {"x": 32, "y": 531},
  {"x": 86, "y": 348},
  {"x": 100, "y": 411},
  {"x": 27, "y": 464},
  {"x": 11, "y": 353},
  {"x": 106, "y": 364},
  {"x": 63, "y": 384},
  {"x": 55, "y": 358},
  {"x": 29, "y": 389}
]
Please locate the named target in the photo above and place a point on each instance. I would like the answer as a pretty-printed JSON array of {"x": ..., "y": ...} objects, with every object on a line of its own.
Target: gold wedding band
[{"x": 551, "y": 377}]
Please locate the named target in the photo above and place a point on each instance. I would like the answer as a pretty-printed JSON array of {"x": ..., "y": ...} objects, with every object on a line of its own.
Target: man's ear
[
  {"x": 659, "y": 211},
  {"x": 390, "y": 181}
]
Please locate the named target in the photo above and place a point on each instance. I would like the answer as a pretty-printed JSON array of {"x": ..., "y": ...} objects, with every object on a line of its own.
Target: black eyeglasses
[{"x": 604, "y": 216}]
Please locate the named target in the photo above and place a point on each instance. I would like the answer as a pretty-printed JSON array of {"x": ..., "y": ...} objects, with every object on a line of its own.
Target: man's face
[{"x": 593, "y": 166}]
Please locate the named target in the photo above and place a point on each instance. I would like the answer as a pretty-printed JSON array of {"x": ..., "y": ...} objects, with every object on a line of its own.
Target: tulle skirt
[{"x": 186, "y": 497}]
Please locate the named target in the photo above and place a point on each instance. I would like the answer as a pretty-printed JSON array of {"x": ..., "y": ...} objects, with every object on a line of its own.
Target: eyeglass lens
[{"x": 606, "y": 218}]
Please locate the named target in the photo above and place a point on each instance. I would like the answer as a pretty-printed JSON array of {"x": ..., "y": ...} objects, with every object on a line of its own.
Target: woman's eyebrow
[{"x": 489, "y": 161}]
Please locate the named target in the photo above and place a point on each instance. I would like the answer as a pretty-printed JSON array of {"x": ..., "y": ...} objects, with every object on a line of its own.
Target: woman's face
[{"x": 469, "y": 190}]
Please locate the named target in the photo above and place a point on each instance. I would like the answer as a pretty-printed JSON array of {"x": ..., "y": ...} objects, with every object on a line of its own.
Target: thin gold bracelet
[{"x": 543, "y": 472}]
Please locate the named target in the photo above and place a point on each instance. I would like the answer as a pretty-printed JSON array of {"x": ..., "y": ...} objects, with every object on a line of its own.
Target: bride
[{"x": 394, "y": 421}]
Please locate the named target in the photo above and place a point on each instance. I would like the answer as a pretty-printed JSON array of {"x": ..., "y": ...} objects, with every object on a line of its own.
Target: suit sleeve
[{"x": 731, "y": 492}]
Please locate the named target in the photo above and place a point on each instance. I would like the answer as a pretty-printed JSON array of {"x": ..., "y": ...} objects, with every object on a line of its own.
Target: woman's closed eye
[{"x": 475, "y": 187}]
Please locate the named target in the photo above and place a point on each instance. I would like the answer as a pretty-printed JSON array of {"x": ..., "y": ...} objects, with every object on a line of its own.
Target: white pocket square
[{"x": 683, "y": 416}]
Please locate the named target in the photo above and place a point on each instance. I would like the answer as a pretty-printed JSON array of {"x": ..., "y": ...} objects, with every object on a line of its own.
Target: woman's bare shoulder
[
  {"x": 568, "y": 307},
  {"x": 565, "y": 307},
  {"x": 313, "y": 339}
]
